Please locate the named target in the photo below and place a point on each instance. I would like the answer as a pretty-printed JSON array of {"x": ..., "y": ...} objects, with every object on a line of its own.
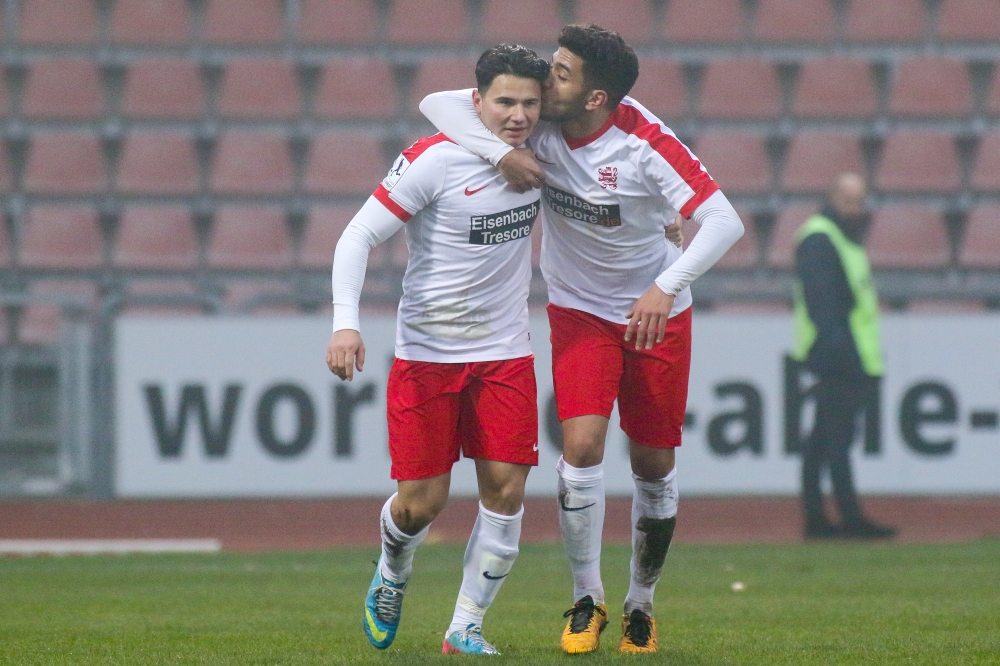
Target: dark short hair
[
  {"x": 609, "y": 64},
  {"x": 509, "y": 59}
]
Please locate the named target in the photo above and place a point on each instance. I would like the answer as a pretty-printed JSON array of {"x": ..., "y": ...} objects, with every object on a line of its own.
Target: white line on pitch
[{"x": 109, "y": 546}]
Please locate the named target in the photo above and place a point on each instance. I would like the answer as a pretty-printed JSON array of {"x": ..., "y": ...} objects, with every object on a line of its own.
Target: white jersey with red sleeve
[{"x": 465, "y": 290}]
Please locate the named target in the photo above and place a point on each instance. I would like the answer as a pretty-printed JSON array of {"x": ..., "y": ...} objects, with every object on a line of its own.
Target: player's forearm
[
  {"x": 453, "y": 114},
  {"x": 720, "y": 229}
]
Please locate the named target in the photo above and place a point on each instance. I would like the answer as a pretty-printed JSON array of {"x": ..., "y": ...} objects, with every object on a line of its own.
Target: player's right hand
[
  {"x": 520, "y": 169},
  {"x": 675, "y": 232},
  {"x": 345, "y": 352}
]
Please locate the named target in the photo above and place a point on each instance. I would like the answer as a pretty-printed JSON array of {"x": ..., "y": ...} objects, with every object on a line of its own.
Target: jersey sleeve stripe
[
  {"x": 710, "y": 188},
  {"x": 382, "y": 195},
  {"x": 414, "y": 151}
]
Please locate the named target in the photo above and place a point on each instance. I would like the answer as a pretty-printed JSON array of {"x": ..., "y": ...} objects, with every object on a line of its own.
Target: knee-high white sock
[
  {"x": 654, "y": 514},
  {"x": 397, "y": 546},
  {"x": 581, "y": 520},
  {"x": 491, "y": 552}
]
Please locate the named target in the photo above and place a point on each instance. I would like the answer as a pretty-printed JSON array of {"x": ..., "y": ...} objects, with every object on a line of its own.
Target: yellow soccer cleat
[
  {"x": 583, "y": 631},
  {"x": 638, "y": 633}
]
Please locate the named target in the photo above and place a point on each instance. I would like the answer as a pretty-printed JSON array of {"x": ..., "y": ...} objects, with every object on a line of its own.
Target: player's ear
[
  {"x": 477, "y": 101},
  {"x": 596, "y": 99}
]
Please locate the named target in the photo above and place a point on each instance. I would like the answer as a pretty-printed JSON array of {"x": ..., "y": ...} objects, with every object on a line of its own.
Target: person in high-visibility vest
[{"x": 837, "y": 338}]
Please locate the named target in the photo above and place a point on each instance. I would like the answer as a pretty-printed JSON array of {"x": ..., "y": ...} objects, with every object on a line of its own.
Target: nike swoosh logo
[
  {"x": 487, "y": 575},
  {"x": 378, "y": 635},
  {"x": 469, "y": 192},
  {"x": 562, "y": 503}
]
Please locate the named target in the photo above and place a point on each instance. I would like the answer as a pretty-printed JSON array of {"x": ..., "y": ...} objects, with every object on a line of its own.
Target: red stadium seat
[
  {"x": 751, "y": 307},
  {"x": 344, "y": 163},
  {"x": 40, "y": 324},
  {"x": 156, "y": 237},
  {"x": 350, "y": 22},
  {"x": 437, "y": 75},
  {"x": 259, "y": 88},
  {"x": 241, "y": 22},
  {"x": 815, "y": 158},
  {"x": 415, "y": 22},
  {"x": 993, "y": 102},
  {"x": 260, "y": 297},
  {"x": 61, "y": 237},
  {"x": 969, "y": 21},
  {"x": 158, "y": 163},
  {"x": 908, "y": 236},
  {"x": 250, "y": 237},
  {"x": 58, "y": 22},
  {"x": 632, "y": 20},
  {"x": 661, "y": 88},
  {"x": 931, "y": 88},
  {"x": 744, "y": 254},
  {"x": 986, "y": 168},
  {"x": 152, "y": 288},
  {"x": 322, "y": 231},
  {"x": 65, "y": 88},
  {"x": 917, "y": 162},
  {"x": 705, "y": 21},
  {"x": 889, "y": 21},
  {"x": 981, "y": 240},
  {"x": 740, "y": 89},
  {"x": 794, "y": 21},
  {"x": 151, "y": 22},
  {"x": 781, "y": 249},
  {"x": 65, "y": 163},
  {"x": 252, "y": 163},
  {"x": 835, "y": 88},
  {"x": 167, "y": 88},
  {"x": 521, "y": 22},
  {"x": 356, "y": 88},
  {"x": 737, "y": 161},
  {"x": 944, "y": 306}
]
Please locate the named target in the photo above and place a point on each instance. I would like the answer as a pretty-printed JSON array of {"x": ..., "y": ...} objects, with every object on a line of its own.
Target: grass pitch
[{"x": 838, "y": 603}]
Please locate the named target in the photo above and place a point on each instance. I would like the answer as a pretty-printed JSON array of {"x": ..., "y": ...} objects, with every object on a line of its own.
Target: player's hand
[
  {"x": 647, "y": 319},
  {"x": 520, "y": 169},
  {"x": 675, "y": 232},
  {"x": 345, "y": 352}
]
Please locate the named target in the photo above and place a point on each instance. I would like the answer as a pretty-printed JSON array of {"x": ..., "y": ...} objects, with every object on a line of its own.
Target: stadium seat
[
  {"x": 322, "y": 231},
  {"x": 918, "y": 162},
  {"x": 6, "y": 176},
  {"x": 815, "y": 158},
  {"x": 736, "y": 160},
  {"x": 356, "y": 88},
  {"x": 993, "y": 101},
  {"x": 744, "y": 254},
  {"x": 5, "y": 247},
  {"x": 57, "y": 22},
  {"x": 633, "y": 20},
  {"x": 931, "y": 88},
  {"x": 241, "y": 22},
  {"x": 437, "y": 75},
  {"x": 889, "y": 21},
  {"x": 156, "y": 237},
  {"x": 158, "y": 163},
  {"x": 159, "y": 22},
  {"x": 259, "y": 88},
  {"x": 751, "y": 307},
  {"x": 260, "y": 297},
  {"x": 532, "y": 22},
  {"x": 425, "y": 22},
  {"x": 835, "y": 88},
  {"x": 40, "y": 324},
  {"x": 65, "y": 163},
  {"x": 661, "y": 88},
  {"x": 351, "y": 22},
  {"x": 986, "y": 168},
  {"x": 969, "y": 21},
  {"x": 740, "y": 89},
  {"x": 794, "y": 22},
  {"x": 705, "y": 21},
  {"x": 184, "y": 291},
  {"x": 944, "y": 306},
  {"x": 250, "y": 237},
  {"x": 908, "y": 236},
  {"x": 344, "y": 163},
  {"x": 248, "y": 162},
  {"x": 781, "y": 248},
  {"x": 68, "y": 89},
  {"x": 61, "y": 237},
  {"x": 980, "y": 246},
  {"x": 163, "y": 88}
]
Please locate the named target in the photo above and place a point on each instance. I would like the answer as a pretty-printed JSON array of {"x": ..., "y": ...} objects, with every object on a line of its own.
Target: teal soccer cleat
[
  {"x": 383, "y": 607},
  {"x": 467, "y": 641}
]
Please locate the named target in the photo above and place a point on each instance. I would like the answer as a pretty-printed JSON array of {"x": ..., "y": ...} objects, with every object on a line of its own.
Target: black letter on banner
[
  {"x": 344, "y": 403},
  {"x": 265, "y": 420},
  {"x": 553, "y": 428},
  {"x": 169, "y": 437},
  {"x": 912, "y": 416},
  {"x": 752, "y": 417}
]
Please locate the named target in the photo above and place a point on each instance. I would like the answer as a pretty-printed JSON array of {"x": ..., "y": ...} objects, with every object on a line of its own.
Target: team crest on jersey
[
  {"x": 608, "y": 177},
  {"x": 399, "y": 167}
]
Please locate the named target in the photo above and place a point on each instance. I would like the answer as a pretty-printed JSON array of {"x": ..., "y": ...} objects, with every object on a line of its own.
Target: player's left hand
[
  {"x": 345, "y": 352},
  {"x": 674, "y": 232},
  {"x": 647, "y": 319}
]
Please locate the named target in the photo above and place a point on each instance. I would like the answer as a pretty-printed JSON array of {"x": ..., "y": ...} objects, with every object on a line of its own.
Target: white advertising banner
[{"x": 245, "y": 407}]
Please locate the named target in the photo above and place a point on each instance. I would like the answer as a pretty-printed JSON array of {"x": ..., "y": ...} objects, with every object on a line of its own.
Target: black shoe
[
  {"x": 865, "y": 529},
  {"x": 823, "y": 530}
]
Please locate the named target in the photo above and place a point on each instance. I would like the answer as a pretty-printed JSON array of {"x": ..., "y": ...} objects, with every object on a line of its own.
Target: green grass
[{"x": 803, "y": 604}]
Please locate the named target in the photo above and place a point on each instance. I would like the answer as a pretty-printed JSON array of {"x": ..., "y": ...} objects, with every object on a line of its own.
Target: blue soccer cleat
[
  {"x": 383, "y": 607},
  {"x": 467, "y": 641}
]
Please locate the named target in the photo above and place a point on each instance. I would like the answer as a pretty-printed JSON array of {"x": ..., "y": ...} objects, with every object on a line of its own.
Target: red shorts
[
  {"x": 592, "y": 365},
  {"x": 486, "y": 409}
]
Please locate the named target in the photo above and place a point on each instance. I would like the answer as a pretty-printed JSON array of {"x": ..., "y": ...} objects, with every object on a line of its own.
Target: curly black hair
[
  {"x": 509, "y": 59},
  {"x": 609, "y": 64}
]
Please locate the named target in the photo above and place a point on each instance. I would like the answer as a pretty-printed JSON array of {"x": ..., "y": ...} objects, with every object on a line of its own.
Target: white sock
[
  {"x": 654, "y": 511},
  {"x": 489, "y": 557},
  {"x": 397, "y": 546},
  {"x": 581, "y": 520}
]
